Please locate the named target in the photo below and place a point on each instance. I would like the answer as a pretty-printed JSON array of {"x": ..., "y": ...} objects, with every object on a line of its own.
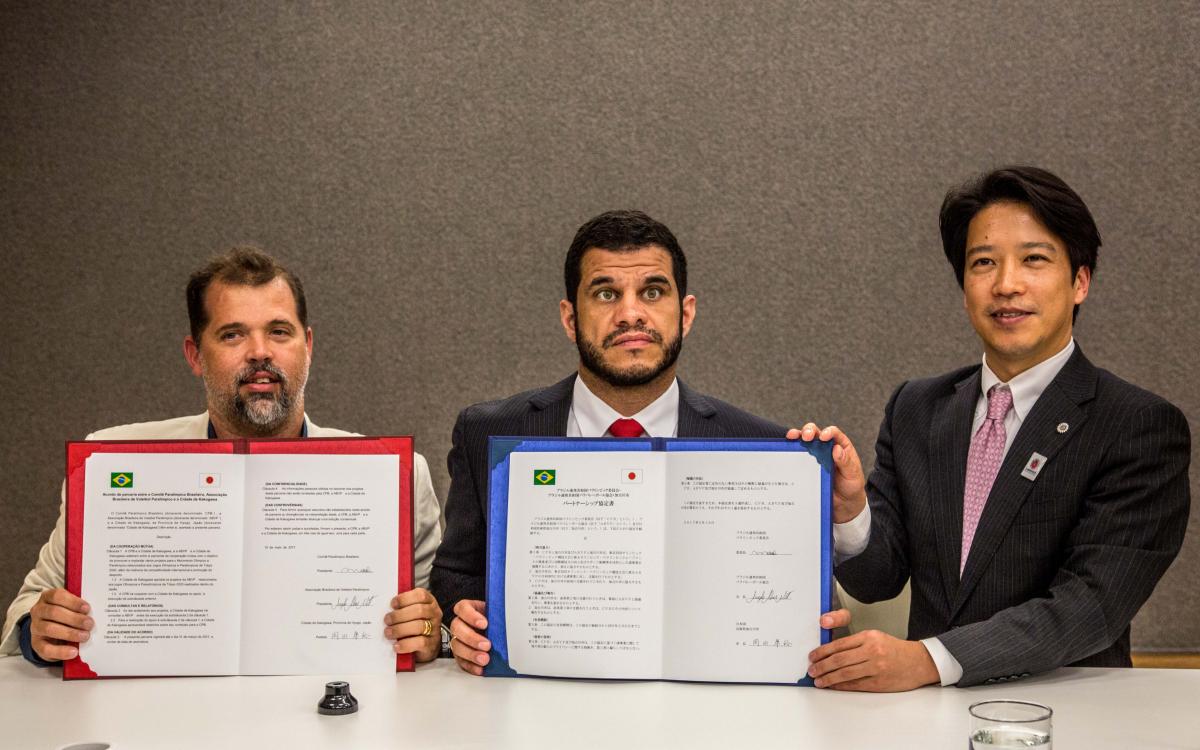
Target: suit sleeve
[
  {"x": 49, "y": 573},
  {"x": 458, "y": 569},
  {"x": 1130, "y": 528},
  {"x": 880, "y": 571}
]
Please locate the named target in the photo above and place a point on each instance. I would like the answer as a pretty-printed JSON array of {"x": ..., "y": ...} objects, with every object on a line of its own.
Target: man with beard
[
  {"x": 628, "y": 311},
  {"x": 251, "y": 344}
]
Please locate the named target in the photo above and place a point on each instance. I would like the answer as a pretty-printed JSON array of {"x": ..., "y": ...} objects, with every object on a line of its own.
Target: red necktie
[{"x": 626, "y": 428}]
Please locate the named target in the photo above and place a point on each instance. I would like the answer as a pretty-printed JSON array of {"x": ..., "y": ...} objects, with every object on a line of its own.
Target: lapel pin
[
  {"x": 1063, "y": 427},
  {"x": 1033, "y": 466}
]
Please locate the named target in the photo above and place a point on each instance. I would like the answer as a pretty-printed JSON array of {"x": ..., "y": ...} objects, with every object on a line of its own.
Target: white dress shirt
[
  {"x": 591, "y": 417},
  {"x": 850, "y": 538}
]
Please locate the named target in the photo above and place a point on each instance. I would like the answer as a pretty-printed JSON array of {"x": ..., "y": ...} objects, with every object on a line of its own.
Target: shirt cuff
[
  {"x": 949, "y": 670},
  {"x": 850, "y": 538},
  {"x": 25, "y": 638}
]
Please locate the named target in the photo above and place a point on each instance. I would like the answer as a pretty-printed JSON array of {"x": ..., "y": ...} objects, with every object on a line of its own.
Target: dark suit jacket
[
  {"x": 1060, "y": 564},
  {"x": 459, "y": 570}
]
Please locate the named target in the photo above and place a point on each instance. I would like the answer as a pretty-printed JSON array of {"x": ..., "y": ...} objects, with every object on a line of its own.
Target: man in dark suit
[
  {"x": 1035, "y": 500},
  {"x": 628, "y": 311}
]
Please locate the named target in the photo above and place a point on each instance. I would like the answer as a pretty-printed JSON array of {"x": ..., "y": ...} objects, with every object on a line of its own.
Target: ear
[
  {"x": 308, "y": 342},
  {"x": 191, "y": 352},
  {"x": 688, "y": 311},
  {"x": 1083, "y": 282},
  {"x": 566, "y": 314}
]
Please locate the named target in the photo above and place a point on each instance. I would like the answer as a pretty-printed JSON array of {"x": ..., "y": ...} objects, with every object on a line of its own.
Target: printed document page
[
  {"x": 743, "y": 579},
  {"x": 584, "y": 568},
  {"x": 321, "y": 551},
  {"x": 162, "y": 563}
]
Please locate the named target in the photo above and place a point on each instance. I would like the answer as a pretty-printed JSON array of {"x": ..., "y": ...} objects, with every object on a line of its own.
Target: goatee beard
[
  {"x": 592, "y": 357},
  {"x": 261, "y": 414}
]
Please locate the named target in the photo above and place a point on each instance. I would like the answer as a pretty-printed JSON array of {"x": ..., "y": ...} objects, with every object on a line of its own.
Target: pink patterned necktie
[
  {"x": 626, "y": 428},
  {"x": 983, "y": 463}
]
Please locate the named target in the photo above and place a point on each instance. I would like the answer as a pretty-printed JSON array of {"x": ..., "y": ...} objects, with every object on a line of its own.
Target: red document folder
[{"x": 78, "y": 452}]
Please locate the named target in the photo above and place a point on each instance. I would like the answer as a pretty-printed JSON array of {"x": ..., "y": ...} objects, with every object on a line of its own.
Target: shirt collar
[
  {"x": 212, "y": 432},
  {"x": 659, "y": 419},
  {"x": 1028, "y": 386}
]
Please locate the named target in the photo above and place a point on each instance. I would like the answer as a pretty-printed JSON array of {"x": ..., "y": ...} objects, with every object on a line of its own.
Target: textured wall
[{"x": 423, "y": 166}]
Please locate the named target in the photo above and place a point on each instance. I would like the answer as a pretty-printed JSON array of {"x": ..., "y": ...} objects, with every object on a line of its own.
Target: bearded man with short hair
[
  {"x": 627, "y": 310},
  {"x": 251, "y": 344}
]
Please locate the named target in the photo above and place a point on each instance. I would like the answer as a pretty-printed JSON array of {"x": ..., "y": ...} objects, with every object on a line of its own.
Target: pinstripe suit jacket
[
  {"x": 1059, "y": 564},
  {"x": 459, "y": 568}
]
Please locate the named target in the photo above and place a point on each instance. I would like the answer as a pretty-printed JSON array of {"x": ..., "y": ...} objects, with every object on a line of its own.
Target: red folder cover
[{"x": 78, "y": 452}]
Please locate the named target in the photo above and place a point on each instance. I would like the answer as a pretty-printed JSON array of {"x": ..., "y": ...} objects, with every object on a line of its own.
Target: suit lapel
[
  {"x": 950, "y": 440},
  {"x": 549, "y": 409},
  {"x": 695, "y": 413},
  {"x": 1060, "y": 403}
]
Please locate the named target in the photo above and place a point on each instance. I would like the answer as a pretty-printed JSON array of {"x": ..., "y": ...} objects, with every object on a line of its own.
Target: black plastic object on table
[{"x": 337, "y": 700}]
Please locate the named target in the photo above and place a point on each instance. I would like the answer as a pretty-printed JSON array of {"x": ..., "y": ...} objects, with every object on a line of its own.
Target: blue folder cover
[{"x": 499, "y": 450}]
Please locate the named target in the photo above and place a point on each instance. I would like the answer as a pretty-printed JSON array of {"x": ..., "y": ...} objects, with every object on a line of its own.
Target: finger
[
  {"x": 413, "y": 612},
  {"x": 846, "y": 457},
  {"x": 855, "y": 673},
  {"x": 834, "y": 433},
  {"x": 469, "y": 667},
  {"x": 66, "y": 599},
  {"x": 472, "y": 611},
  {"x": 465, "y": 651},
  {"x": 838, "y": 618},
  {"x": 55, "y": 613},
  {"x": 833, "y": 647},
  {"x": 864, "y": 685},
  {"x": 50, "y": 651},
  {"x": 410, "y": 645},
  {"x": 462, "y": 633},
  {"x": 416, "y": 596},
  {"x": 469, "y": 639},
  {"x": 412, "y": 628},
  {"x": 809, "y": 431},
  {"x": 430, "y": 651},
  {"x": 57, "y": 631},
  {"x": 838, "y": 661},
  {"x": 793, "y": 434}
]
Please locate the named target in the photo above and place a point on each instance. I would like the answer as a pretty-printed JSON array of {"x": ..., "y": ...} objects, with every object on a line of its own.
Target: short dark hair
[
  {"x": 241, "y": 264},
  {"x": 621, "y": 231},
  {"x": 1055, "y": 204}
]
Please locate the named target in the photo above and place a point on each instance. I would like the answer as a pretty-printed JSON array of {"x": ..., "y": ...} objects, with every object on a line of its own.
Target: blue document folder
[{"x": 501, "y": 454}]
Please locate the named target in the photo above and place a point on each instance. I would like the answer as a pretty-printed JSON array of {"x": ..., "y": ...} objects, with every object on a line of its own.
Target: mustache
[
  {"x": 246, "y": 374},
  {"x": 610, "y": 338}
]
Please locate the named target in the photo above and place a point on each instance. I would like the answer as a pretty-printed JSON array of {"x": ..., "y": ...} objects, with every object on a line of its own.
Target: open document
[
  {"x": 223, "y": 557},
  {"x": 658, "y": 559}
]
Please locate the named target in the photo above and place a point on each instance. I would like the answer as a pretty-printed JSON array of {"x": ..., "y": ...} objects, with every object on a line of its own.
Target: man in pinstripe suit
[
  {"x": 627, "y": 310},
  {"x": 1035, "y": 500}
]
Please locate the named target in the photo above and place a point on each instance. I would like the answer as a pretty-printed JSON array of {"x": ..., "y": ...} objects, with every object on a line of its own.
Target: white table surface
[{"x": 441, "y": 707}]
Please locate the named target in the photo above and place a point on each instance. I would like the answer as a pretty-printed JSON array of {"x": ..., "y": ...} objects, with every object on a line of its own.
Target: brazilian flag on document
[{"x": 122, "y": 479}]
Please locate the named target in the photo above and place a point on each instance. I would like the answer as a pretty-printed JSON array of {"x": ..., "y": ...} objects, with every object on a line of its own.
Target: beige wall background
[{"x": 423, "y": 166}]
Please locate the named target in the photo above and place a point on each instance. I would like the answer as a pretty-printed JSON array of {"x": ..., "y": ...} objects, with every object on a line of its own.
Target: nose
[
  {"x": 631, "y": 312},
  {"x": 1008, "y": 280},
  {"x": 259, "y": 349}
]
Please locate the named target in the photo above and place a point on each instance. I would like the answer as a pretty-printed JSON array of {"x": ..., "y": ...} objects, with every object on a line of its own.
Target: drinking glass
[{"x": 1009, "y": 724}]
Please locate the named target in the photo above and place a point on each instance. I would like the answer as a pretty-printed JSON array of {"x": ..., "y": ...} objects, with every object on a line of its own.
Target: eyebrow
[
  {"x": 655, "y": 279},
  {"x": 1024, "y": 246},
  {"x": 238, "y": 325},
  {"x": 229, "y": 327}
]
